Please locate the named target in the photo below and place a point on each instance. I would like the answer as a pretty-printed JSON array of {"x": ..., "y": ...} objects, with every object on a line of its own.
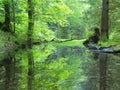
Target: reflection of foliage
[
  {"x": 113, "y": 72},
  {"x": 59, "y": 67},
  {"x": 48, "y": 75},
  {"x": 64, "y": 68},
  {"x": 60, "y": 73},
  {"x": 41, "y": 53}
]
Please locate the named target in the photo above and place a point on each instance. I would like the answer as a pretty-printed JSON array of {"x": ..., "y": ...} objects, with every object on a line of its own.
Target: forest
[
  {"x": 59, "y": 44},
  {"x": 53, "y": 20}
]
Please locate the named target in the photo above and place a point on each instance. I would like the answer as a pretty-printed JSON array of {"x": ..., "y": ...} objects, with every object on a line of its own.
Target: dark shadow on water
[{"x": 103, "y": 71}]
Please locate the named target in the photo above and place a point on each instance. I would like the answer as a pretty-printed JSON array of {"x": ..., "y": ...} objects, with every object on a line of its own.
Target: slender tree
[
  {"x": 105, "y": 20},
  {"x": 30, "y": 53},
  {"x": 13, "y": 14},
  {"x": 30, "y": 22},
  {"x": 7, "y": 16}
]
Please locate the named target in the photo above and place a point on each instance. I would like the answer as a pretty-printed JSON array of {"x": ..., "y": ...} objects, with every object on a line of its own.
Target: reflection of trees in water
[
  {"x": 89, "y": 64},
  {"x": 30, "y": 70},
  {"x": 13, "y": 75},
  {"x": 64, "y": 52},
  {"x": 8, "y": 73},
  {"x": 72, "y": 63},
  {"x": 102, "y": 74},
  {"x": 90, "y": 70},
  {"x": 9, "y": 76},
  {"x": 109, "y": 72},
  {"x": 103, "y": 71},
  {"x": 113, "y": 73},
  {"x": 96, "y": 71},
  {"x": 100, "y": 71}
]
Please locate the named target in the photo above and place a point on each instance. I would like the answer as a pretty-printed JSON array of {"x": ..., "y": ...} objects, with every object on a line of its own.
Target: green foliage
[
  {"x": 115, "y": 36},
  {"x": 89, "y": 33},
  {"x": 57, "y": 9},
  {"x": 114, "y": 21},
  {"x": 61, "y": 19},
  {"x": 42, "y": 32},
  {"x": 41, "y": 53}
]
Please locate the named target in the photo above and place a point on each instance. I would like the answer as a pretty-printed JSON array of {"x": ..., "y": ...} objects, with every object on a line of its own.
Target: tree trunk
[
  {"x": 30, "y": 22},
  {"x": 104, "y": 21},
  {"x": 30, "y": 53},
  {"x": 7, "y": 16},
  {"x": 13, "y": 15}
]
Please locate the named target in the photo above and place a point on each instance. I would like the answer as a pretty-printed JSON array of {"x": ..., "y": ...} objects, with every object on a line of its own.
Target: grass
[
  {"x": 110, "y": 43},
  {"x": 70, "y": 43}
]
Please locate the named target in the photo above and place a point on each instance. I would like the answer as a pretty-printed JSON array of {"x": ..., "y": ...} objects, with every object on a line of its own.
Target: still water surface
[{"x": 50, "y": 67}]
